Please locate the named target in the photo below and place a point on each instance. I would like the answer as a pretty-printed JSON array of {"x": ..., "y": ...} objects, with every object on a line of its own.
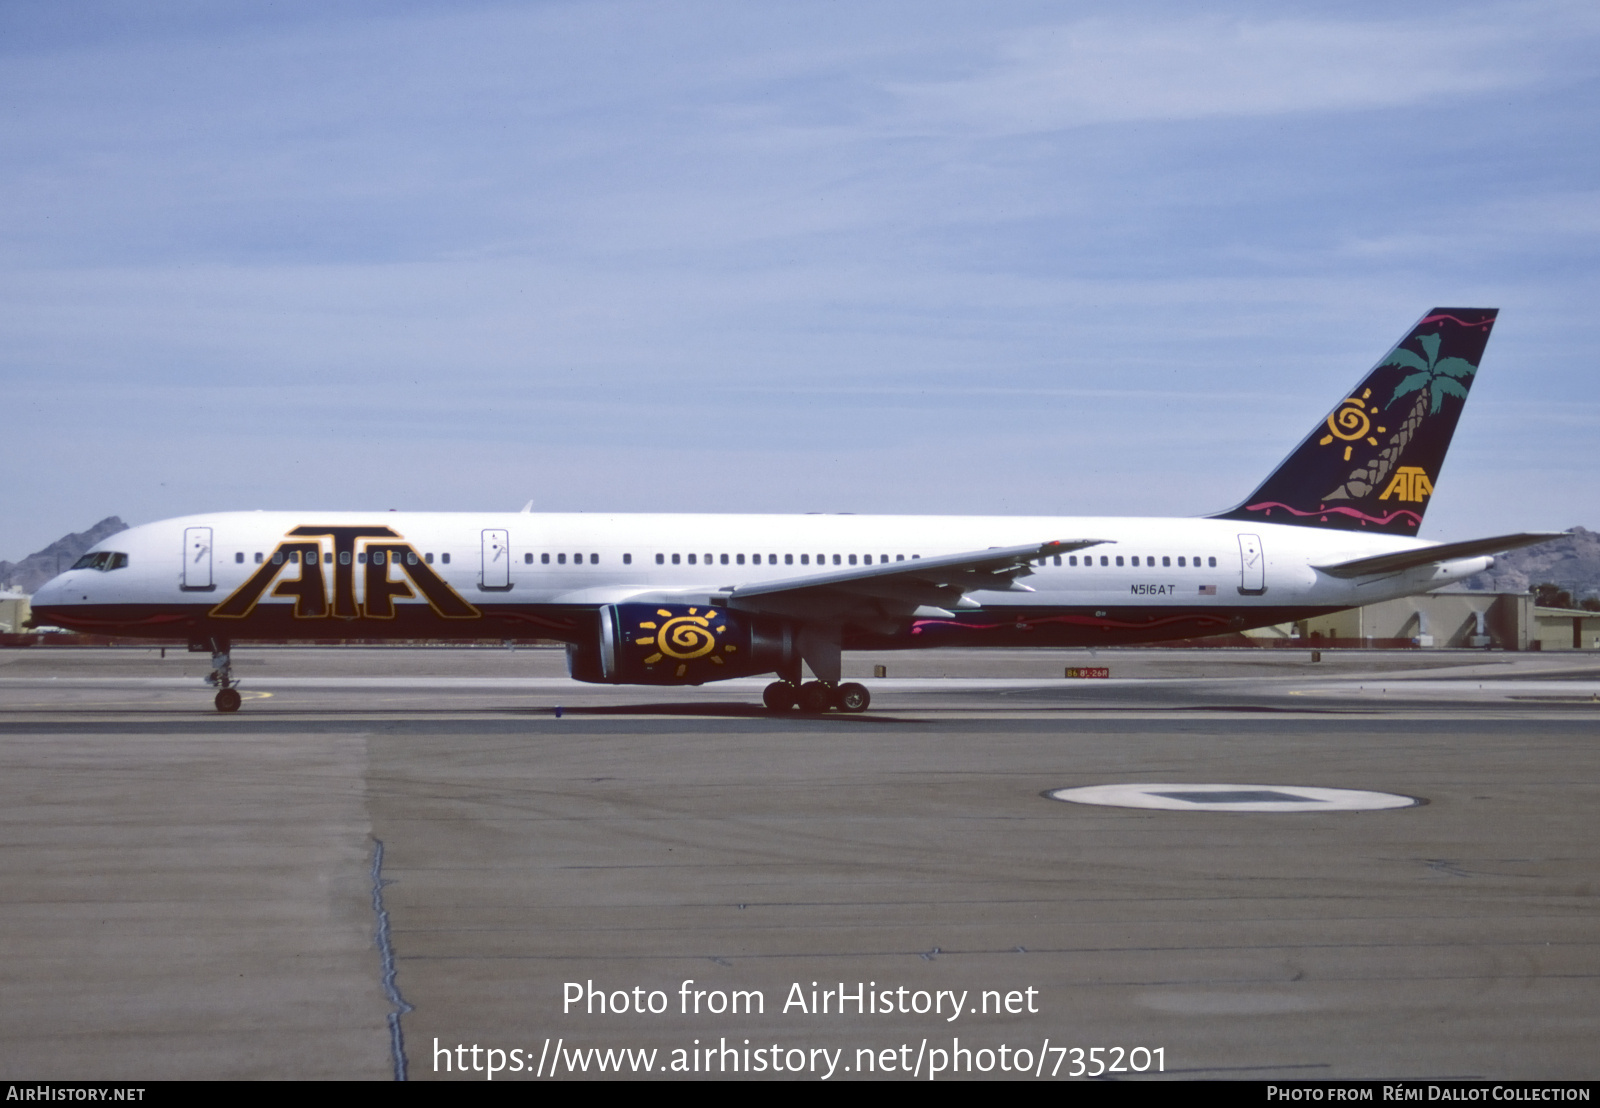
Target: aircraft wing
[
  {"x": 1432, "y": 555},
  {"x": 921, "y": 586}
]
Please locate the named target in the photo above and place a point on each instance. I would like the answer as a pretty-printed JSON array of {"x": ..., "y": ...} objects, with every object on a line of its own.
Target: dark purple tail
[{"x": 1372, "y": 463}]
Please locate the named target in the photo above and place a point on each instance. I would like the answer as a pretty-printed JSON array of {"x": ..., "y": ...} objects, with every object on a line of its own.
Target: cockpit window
[{"x": 103, "y": 560}]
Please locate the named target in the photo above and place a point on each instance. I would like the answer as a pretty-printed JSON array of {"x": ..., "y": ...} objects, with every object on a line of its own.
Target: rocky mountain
[
  {"x": 1572, "y": 562},
  {"x": 37, "y": 568}
]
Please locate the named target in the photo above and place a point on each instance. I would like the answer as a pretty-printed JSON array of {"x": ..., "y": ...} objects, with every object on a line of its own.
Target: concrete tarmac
[{"x": 194, "y": 895}]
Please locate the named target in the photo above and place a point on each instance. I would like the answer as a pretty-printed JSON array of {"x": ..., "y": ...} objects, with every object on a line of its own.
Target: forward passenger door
[
  {"x": 196, "y": 576},
  {"x": 496, "y": 559}
]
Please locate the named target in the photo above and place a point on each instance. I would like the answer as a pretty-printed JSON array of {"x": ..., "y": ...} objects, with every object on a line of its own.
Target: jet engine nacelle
[{"x": 680, "y": 644}]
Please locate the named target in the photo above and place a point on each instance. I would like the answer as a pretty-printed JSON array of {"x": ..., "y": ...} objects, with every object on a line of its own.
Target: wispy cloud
[{"x": 1133, "y": 69}]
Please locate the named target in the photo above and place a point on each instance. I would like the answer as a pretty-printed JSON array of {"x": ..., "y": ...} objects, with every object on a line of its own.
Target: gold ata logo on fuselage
[{"x": 324, "y": 585}]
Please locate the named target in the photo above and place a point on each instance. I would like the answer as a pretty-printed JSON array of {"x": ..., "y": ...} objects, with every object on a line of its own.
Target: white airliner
[{"x": 686, "y": 599}]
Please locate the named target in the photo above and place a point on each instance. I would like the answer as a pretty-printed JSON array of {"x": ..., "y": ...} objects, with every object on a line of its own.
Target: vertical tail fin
[{"x": 1372, "y": 463}]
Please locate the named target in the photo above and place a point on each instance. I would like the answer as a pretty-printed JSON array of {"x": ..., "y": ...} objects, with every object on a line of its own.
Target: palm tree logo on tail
[{"x": 1432, "y": 379}]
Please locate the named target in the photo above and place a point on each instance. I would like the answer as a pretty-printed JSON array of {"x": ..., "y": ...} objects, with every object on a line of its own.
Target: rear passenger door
[{"x": 1252, "y": 566}]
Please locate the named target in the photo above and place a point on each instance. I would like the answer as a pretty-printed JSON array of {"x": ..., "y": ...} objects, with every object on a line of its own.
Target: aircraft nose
[{"x": 51, "y": 592}]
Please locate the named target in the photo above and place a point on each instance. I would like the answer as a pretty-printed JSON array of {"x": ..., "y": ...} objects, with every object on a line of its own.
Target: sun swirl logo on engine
[{"x": 682, "y": 637}]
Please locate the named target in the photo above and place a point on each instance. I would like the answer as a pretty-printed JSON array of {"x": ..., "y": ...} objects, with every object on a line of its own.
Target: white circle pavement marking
[{"x": 1202, "y": 797}]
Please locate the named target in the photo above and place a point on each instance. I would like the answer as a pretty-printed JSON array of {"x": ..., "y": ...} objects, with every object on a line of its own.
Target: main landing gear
[
  {"x": 816, "y": 697},
  {"x": 221, "y": 676}
]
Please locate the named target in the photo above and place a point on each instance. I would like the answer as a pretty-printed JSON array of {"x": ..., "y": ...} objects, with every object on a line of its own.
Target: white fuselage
[{"x": 538, "y": 560}]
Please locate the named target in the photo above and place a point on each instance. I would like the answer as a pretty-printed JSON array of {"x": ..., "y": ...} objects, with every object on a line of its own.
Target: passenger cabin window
[
  {"x": 675, "y": 559},
  {"x": 1212, "y": 562},
  {"x": 739, "y": 558},
  {"x": 239, "y": 557},
  {"x": 445, "y": 558},
  {"x": 594, "y": 559},
  {"x": 788, "y": 559},
  {"x": 661, "y": 559},
  {"x": 627, "y": 559},
  {"x": 258, "y": 557}
]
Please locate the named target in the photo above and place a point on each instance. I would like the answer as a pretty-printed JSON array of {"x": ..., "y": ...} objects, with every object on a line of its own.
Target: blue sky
[{"x": 882, "y": 257}]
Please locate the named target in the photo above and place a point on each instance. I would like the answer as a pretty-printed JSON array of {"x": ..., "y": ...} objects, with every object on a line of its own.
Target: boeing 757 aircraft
[{"x": 686, "y": 599}]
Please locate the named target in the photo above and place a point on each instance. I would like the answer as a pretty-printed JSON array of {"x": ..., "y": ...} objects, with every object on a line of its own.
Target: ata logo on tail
[{"x": 1410, "y": 483}]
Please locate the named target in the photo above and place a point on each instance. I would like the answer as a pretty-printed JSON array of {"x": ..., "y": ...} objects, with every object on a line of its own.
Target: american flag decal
[{"x": 1208, "y": 590}]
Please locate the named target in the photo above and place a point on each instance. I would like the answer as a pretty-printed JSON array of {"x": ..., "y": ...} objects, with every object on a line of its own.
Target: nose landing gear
[{"x": 221, "y": 675}]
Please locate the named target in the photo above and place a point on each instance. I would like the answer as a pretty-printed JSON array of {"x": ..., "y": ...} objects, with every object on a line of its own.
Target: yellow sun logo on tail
[{"x": 1351, "y": 423}]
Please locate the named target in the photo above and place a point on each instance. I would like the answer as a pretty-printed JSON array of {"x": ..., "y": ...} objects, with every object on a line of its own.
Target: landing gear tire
[
  {"x": 852, "y": 697},
  {"x": 815, "y": 697},
  {"x": 228, "y": 700},
  {"x": 779, "y": 696}
]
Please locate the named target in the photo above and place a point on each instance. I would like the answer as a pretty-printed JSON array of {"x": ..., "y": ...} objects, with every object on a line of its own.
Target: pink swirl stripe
[
  {"x": 1078, "y": 621},
  {"x": 1457, "y": 319},
  {"x": 1380, "y": 520}
]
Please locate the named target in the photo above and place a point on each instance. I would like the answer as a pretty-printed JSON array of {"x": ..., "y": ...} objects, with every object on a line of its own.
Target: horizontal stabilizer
[{"x": 1432, "y": 555}]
